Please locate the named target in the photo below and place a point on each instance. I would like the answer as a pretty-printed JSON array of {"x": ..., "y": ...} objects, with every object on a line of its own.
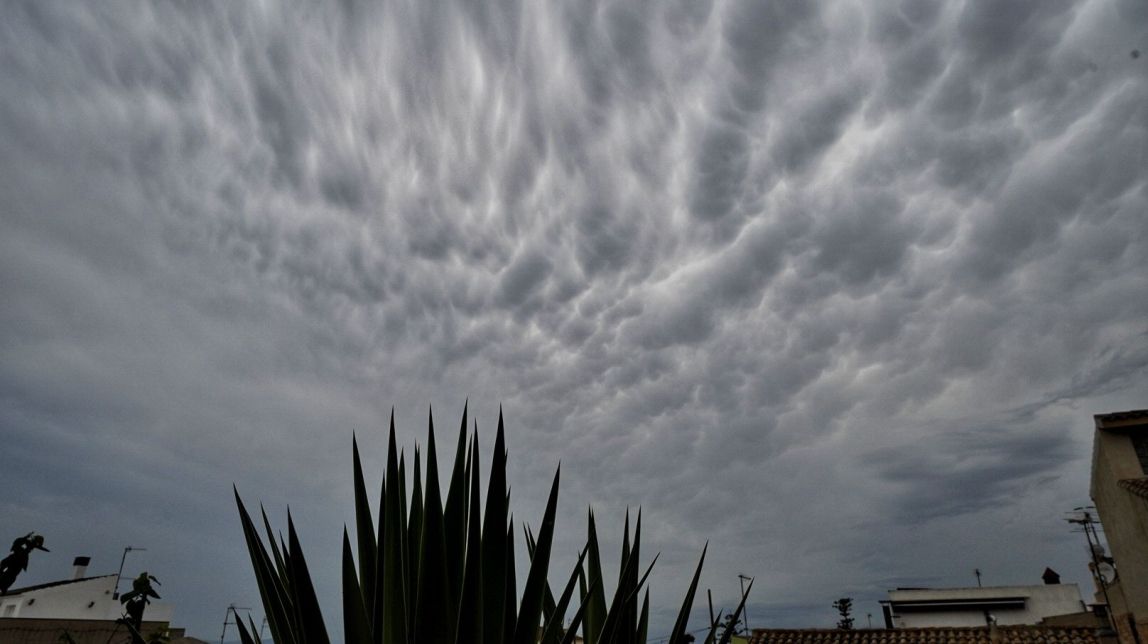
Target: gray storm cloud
[{"x": 824, "y": 284}]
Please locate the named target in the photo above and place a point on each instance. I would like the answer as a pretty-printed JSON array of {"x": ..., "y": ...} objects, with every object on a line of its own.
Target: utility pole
[
  {"x": 710, "y": 595},
  {"x": 977, "y": 572},
  {"x": 120, "y": 574}
]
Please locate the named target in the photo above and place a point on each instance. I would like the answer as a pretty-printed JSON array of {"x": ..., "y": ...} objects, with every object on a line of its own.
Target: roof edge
[
  {"x": 51, "y": 584},
  {"x": 1118, "y": 419}
]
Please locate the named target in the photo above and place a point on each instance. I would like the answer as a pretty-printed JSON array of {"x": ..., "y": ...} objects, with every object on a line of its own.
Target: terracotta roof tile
[{"x": 975, "y": 635}]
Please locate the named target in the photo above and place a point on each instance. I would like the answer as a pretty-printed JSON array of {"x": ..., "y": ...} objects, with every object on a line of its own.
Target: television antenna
[
  {"x": 231, "y": 612},
  {"x": 741, "y": 579},
  {"x": 1084, "y": 517},
  {"x": 120, "y": 574}
]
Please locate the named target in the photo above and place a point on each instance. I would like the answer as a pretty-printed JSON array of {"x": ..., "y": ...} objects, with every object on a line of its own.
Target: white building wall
[
  {"x": 951, "y": 619},
  {"x": 90, "y": 598},
  {"x": 1039, "y": 602}
]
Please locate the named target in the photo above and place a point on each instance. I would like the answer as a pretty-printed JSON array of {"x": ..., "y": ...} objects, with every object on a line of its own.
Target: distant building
[
  {"x": 86, "y": 608},
  {"x": 1119, "y": 489},
  {"x": 970, "y": 607}
]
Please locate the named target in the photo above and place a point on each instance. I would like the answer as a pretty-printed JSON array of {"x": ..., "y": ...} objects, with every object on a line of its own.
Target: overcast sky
[{"x": 836, "y": 287}]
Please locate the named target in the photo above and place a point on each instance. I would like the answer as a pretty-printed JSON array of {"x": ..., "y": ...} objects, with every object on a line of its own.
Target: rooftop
[
  {"x": 51, "y": 584},
  {"x": 971, "y": 635},
  {"x": 1116, "y": 419}
]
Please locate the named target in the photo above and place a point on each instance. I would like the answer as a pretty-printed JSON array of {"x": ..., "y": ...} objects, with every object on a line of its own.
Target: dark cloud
[
  {"x": 522, "y": 278},
  {"x": 969, "y": 469},
  {"x": 792, "y": 277}
]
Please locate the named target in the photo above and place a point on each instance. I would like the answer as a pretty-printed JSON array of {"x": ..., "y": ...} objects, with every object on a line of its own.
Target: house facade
[
  {"x": 1119, "y": 489},
  {"x": 972, "y": 607},
  {"x": 85, "y": 608},
  {"x": 83, "y": 598}
]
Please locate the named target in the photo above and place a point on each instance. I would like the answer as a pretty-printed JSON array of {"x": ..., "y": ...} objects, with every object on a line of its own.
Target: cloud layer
[{"x": 835, "y": 287}]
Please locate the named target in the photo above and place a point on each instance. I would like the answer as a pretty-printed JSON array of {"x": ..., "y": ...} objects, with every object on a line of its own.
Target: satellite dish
[{"x": 1106, "y": 572}]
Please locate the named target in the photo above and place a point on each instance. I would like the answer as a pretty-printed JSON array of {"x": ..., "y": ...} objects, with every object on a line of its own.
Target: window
[{"x": 1140, "y": 444}]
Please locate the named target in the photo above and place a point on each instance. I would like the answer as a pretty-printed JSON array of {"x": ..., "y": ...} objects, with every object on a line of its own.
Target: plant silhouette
[
  {"x": 437, "y": 569},
  {"x": 17, "y": 560},
  {"x": 844, "y": 608},
  {"x": 134, "y": 603}
]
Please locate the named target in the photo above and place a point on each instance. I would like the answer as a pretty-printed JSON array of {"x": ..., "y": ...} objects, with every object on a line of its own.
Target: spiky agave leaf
[
  {"x": 620, "y": 620},
  {"x": 727, "y": 634},
  {"x": 433, "y": 591},
  {"x": 280, "y": 566},
  {"x": 245, "y": 636},
  {"x": 455, "y": 518},
  {"x": 643, "y": 619},
  {"x": 678, "y": 634},
  {"x": 552, "y": 631},
  {"x": 711, "y": 637},
  {"x": 628, "y": 615},
  {"x": 510, "y": 603},
  {"x": 405, "y": 543},
  {"x": 306, "y": 603},
  {"x": 614, "y": 612},
  {"x": 471, "y": 604},
  {"x": 534, "y": 593},
  {"x": 572, "y": 631},
  {"x": 375, "y": 608},
  {"x": 413, "y": 539},
  {"x": 548, "y": 604},
  {"x": 611, "y": 631},
  {"x": 629, "y": 618},
  {"x": 364, "y": 531},
  {"x": 595, "y": 596},
  {"x": 356, "y": 625},
  {"x": 271, "y": 585},
  {"x": 392, "y": 550},
  {"x": 638, "y": 587},
  {"x": 495, "y": 545}
]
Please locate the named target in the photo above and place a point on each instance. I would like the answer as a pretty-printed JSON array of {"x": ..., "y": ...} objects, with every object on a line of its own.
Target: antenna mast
[
  {"x": 231, "y": 608},
  {"x": 1083, "y": 517}
]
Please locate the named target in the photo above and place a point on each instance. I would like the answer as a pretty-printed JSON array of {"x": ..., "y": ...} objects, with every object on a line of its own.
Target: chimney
[
  {"x": 80, "y": 567},
  {"x": 994, "y": 632}
]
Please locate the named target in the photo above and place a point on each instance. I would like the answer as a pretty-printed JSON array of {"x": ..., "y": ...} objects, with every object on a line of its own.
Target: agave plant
[{"x": 441, "y": 570}]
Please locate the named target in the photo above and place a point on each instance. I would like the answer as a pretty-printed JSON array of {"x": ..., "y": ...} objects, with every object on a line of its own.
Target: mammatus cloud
[{"x": 828, "y": 285}]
